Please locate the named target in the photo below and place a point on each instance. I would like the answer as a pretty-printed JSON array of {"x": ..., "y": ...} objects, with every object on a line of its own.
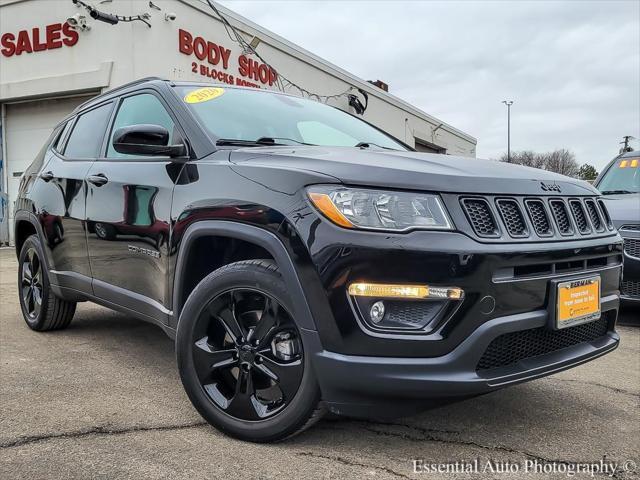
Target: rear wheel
[
  {"x": 41, "y": 309},
  {"x": 241, "y": 357}
]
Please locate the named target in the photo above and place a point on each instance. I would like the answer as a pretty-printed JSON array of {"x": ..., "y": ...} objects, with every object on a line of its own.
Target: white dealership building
[{"x": 54, "y": 55}]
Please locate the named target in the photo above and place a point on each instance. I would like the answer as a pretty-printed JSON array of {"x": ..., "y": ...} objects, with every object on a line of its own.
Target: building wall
[{"x": 88, "y": 62}]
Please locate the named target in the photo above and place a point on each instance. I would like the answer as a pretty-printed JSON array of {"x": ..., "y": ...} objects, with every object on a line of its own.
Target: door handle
[
  {"x": 47, "y": 176},
  {"x": 98, "y": 180}
]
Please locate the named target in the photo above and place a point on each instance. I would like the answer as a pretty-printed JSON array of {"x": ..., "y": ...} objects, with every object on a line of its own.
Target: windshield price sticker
[{"x": 203, "y": 94}]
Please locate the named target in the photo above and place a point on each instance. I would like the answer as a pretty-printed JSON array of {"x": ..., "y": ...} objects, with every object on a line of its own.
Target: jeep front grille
[
  {"x": 561, "y": 216},
  {"x": 594, "y": 215},
  {"x": 512, "y": 217},
  {"x": 539, "y": 217},
  {"x": 536, "y": 218},
  {"x": 579, "y": 216},
  {"x": 480, "y": 216}
]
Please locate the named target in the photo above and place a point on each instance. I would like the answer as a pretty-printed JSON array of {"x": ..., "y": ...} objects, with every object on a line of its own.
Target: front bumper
[{"x": 388, "y": 386}]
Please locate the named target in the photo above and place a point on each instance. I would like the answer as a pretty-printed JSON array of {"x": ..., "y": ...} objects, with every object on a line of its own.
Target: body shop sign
[
  {"x": 215, "y": 62},
  {"x": 38, "y": 39}
]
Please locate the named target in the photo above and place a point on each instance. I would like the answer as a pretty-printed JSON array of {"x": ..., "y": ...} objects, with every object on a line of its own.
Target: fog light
[{"x": 377, "y": 312}]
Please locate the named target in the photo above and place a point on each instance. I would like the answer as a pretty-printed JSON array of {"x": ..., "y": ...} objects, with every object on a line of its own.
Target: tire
[
  {"x": 104, "y": 231},
  {"x": 241, "y": 284},
  {"x": 50, "y": 312}
]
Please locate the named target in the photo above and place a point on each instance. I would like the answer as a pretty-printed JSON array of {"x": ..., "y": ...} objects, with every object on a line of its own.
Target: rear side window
[
  {"x": 86, "y": 138},
  {"x": 58, "y": 145}
]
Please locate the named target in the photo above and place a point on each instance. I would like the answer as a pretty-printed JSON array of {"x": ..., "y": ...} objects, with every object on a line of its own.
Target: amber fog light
[{"x": 393, "y": 290}]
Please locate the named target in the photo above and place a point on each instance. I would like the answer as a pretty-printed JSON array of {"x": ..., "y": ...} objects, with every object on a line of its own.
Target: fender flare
[
  {"x": 23, "y": 215},
  {"x": 249, "y": 233}
]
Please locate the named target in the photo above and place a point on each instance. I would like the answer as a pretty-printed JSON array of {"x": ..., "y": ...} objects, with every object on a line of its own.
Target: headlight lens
[{"x": 380, "y": 209}]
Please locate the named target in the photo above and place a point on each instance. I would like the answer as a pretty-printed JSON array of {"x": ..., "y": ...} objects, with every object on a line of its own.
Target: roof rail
[{"x": 121, "y": 87}]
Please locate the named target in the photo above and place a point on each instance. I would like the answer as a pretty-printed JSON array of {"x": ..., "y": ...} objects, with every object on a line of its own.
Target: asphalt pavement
[{"x": 103, "y": 399}]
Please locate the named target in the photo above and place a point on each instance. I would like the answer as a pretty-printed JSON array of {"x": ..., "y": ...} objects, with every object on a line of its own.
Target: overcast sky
[{"x": 572, "y": 68}]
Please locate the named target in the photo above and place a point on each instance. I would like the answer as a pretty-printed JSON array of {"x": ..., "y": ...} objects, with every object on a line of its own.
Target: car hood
[
  {"x": 414, "y": 170},
  {"x": 623, "y": 209}
]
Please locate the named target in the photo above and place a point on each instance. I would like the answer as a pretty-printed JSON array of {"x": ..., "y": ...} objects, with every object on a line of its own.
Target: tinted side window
[
  {"x": 142, "y": 109},
  {"x": 58, "y": 144},
  {"x": 86, "y": 138}
]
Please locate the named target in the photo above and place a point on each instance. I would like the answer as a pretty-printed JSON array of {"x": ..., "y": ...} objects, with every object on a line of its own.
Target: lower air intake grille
[
  {"x": 512, "y": 217},
  {"x": 631, "y": 288},
  {"x": 632, "y": 247},
  {"x": 512, "y": 347},
  {"x": 480, "y": 216},
  {"x": 561, "y": 216}
]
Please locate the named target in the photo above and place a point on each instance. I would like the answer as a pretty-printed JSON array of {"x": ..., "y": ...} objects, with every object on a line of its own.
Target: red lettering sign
[
  {"x": 36, "y": 40},
  {"x": 218, "y": 55}
]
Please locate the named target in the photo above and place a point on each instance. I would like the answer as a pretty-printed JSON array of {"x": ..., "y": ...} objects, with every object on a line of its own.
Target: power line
[{"x": 282, "y": 82}]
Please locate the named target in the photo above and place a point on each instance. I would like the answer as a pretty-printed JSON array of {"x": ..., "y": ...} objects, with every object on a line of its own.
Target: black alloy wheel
[
  {"x": 41, "y": 308},
  {"x": 247, "y": 354},
  {"x": 31, "y": 283}
]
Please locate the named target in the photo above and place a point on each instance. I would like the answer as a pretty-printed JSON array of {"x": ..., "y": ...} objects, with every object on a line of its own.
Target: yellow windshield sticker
[
  {"x": 634, "y": 162},
  {"x": 203, "y": 94},
  {"x": 623, "y": 164}
]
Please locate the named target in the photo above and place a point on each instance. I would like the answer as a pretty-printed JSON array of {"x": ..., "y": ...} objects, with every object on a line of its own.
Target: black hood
[
  {"x": 623, "y": 209},
  {"x": 414, "y": 170}
]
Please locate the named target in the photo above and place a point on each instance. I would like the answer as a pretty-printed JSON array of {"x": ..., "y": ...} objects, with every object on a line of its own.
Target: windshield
[
  {"x": 622, "y": 177},
  {"x": 238, "y": 114}
]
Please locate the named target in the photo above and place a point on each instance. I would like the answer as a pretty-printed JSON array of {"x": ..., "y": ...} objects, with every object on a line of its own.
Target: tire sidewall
[
  {"x": 301, "y": 407},
  {"x": 34, "y": 242}
]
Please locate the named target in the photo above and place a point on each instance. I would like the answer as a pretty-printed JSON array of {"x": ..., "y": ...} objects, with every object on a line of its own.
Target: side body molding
[{"x": 248, "y": 233}]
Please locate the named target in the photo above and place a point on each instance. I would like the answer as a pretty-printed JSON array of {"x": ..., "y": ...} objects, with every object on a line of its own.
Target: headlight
[{"x": 380, "y": 209}]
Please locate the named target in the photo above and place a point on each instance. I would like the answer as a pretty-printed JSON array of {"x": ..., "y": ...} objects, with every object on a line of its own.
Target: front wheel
[{"x": 241, "y": 357}]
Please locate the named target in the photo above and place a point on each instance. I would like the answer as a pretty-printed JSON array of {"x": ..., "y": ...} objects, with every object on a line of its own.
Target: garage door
[{"x": 28, "y": 125}]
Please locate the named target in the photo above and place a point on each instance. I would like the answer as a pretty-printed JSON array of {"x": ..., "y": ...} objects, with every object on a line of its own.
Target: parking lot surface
[{"x": 103, "y": 399}]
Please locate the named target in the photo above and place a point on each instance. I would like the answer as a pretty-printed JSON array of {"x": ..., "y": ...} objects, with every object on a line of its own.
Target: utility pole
[
  {"x": 508, "y": 103},
  {"x": 625, "y": 142}
]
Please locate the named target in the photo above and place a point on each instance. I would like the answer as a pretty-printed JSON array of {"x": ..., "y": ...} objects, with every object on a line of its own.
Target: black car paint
[
  {"x": 624, "y": 210},
  {"x": 257, "y": 195}
]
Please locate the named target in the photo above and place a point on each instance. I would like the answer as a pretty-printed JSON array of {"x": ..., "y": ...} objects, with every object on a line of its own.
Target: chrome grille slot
[
  {"x": 579, "y": 216},
  {"x": 594, "y": 215},
  {"x": 480, "y": 216},
  {"x": 605, "y": 212},
  {"x": 561, "y": 216},
  {"x": 539, "y": 218},
  {"x": 512, "y": 217}
]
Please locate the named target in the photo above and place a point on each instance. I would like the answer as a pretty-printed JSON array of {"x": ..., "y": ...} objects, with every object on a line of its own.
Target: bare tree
[{"x": 563, "y": 162}]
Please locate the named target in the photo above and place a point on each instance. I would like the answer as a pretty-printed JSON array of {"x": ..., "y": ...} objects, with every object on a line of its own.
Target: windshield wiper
[
  {"x": 368, "y": 145},
  {"x": 617, "y": 192},
  {"x": 271, "y": 140},
  {"x": 260, "y": 142}
]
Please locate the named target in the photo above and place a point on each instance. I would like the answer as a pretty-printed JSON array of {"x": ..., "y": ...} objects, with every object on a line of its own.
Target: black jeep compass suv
[{"x": 306, "y": 261}]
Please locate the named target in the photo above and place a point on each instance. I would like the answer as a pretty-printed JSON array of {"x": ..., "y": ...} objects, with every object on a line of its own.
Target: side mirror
[{"x": 146, "y": 140}]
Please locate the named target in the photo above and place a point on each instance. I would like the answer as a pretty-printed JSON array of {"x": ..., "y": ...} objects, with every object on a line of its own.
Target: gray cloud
[{"x": 572, "y": 68}]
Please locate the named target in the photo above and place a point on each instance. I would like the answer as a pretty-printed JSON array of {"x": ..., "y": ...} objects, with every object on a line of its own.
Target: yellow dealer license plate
[{"x": 578, "y": 302}]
